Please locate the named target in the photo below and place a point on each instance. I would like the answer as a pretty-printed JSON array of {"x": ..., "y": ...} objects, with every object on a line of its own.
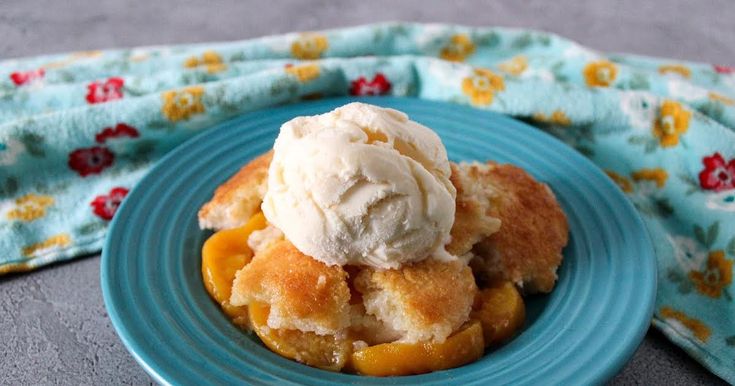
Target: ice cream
[{"x": 361, "y": 185}]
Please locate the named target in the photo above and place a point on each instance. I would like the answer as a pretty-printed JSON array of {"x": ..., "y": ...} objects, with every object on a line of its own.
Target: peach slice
[
  {"x": 223, "y": 254},
  {"x": 501, "y": 311},
  {"x": 390, "y": 359},
  {"x": 323, "y": 351}
]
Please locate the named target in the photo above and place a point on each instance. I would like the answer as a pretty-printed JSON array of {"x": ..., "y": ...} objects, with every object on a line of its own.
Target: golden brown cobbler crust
[
  {"x": 303, "y": 293},
  {"x": 527, "y": 248},
  {"x": 239, "y": 198},
  {"x": 427, "y": 300},
  {"x": 472, "y": 220}
]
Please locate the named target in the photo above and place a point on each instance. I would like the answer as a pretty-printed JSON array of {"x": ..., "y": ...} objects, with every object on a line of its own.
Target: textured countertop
[{"x": 53, "y": 324}]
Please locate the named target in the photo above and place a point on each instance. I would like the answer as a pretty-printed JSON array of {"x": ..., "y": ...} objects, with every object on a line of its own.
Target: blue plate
[{"x": 582, "y": 333}]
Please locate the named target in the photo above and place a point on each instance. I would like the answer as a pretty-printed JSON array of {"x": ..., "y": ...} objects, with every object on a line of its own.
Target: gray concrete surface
[{"x": 53, "y": 325}]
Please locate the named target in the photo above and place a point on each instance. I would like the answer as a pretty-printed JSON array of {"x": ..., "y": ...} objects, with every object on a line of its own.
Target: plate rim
[{"x": 132, "y": 347}]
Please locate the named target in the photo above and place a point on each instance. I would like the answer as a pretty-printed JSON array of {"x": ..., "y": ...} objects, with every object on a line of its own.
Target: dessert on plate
[{"x": 356, "y": 245}]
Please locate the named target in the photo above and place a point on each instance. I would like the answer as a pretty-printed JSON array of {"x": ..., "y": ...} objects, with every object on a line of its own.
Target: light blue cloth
[{"x": 78, "y": 130}]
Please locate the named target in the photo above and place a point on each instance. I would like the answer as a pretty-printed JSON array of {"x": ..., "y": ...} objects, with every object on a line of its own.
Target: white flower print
[
  {"x": 679, "y": 327},
  {"x": 640, "y": 108},
  {"x": 9, "y": 151},
  {"x": 577, "y": 52},
  {"x": 538, "y": 73},
  {"x": 688, "y": 253},
  {"x": 645, "y": 189},
  {"x": 447, "y": 75},
  {"x": 432, "y": 34},
  {"x": 724, "y": 201},
  {"x": 728, "y": 80},
  {"x": 139, "y": 54},
  {"x": 684, "y": 90},
  {"x": 5, "y": 207}
]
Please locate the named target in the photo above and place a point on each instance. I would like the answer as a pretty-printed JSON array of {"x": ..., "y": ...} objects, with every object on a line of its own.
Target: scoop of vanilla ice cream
[{"x": 361, "y": 185}]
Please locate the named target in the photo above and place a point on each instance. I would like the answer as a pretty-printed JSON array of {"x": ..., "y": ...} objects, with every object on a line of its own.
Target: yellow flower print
[
  {"x": 713, "y": 96},
  {"x": 309, "y": 46},
  {"x": 717, "y": 275},
  {"x": 304, "y": 72},
  {"x": 73, "y": 58},
  {"x": 675, "y": 69},
  {"x": 515, "y": 65},
  {"x": 622, "y": 181},
  {"x": 191, "y": 62},
  {"x": 57, "y": 64},
  {"x": 460, "y": 46},
  {"x": 87, "y": 54},
  {"x": 57, "y": 241},
  {"x": 600, "y": 73},
  {"x": 30, "y": 207},
  {"x": 15, "y": 267},
  {"x": 557, "y": 117},
  {"x": 482, "y": 86},
  {"x": 699, "y": 329},
  {"x": 673, "y": 121},
  {"x": 139, "y": 56},
  {"x": 210, "y": 60},
  {"x": 182, "y": 104},
  {"x": 657, "y": 175}
]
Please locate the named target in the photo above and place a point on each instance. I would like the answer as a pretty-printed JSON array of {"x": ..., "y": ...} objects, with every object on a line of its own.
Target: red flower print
[
  {"x": 378, "y": 86},
  {"x": 724, "y": 69},
  {"x": 120, "y": 130},
  {"x": 105, "y": 91},
  {"x": 27, "y": 77},
  {"x": 718, "y": 174},
  {"x": 105, "y": 206},
  {"x": 91, "y": 160}
]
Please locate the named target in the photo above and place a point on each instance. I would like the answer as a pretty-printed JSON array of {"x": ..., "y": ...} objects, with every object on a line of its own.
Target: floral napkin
[{"x": 77, "y": 131}]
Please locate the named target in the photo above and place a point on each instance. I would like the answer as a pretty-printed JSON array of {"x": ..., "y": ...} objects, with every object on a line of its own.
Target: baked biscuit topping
[
  {"x": 239, "y": 198},
  {"x": 527, "y": 248},
  {"x": 303, "y": 294},
  {"x": 357, "y": 268},
  {"x": 424, "y": 301}
]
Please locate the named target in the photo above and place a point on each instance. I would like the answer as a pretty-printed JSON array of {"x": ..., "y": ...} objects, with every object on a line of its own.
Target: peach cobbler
[{"x": 355, "y": 245}]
